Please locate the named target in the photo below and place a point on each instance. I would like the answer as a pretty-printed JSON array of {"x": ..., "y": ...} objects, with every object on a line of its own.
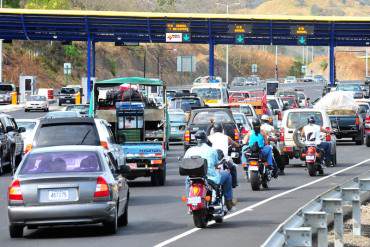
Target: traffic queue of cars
[{"x": 73, "y": 169}]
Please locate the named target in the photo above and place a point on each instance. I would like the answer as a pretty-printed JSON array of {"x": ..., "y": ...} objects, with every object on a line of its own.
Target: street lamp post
[{"x": 227, "y": 46}]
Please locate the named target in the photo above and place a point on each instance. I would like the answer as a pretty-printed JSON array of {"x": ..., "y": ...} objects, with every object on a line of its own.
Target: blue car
[{"x": 178, "y": 123}]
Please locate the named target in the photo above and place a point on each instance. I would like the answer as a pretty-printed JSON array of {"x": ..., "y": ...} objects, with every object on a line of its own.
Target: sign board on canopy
[{"x": 177, "y": 27}]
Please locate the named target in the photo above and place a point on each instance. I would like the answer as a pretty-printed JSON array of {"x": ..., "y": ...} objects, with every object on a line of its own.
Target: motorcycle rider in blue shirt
[
  {"x": 223, "y": 178},
  {"x": 256, "y": 136}
]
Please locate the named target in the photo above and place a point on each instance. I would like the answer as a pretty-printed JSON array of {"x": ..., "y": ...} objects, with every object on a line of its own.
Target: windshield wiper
[{"x": 85, "y": 136}]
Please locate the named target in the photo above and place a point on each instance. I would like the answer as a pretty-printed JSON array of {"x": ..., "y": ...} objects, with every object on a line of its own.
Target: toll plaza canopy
[{"x": 110, "y": 26}]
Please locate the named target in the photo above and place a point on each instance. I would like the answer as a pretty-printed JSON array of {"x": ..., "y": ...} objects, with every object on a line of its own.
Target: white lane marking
[{"x": 249, "y": 208}]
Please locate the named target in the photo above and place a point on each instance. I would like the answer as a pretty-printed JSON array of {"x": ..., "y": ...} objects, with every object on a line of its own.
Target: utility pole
[
  {"x": 227, "y": 46},
  {"x": 366, "y": 62}
]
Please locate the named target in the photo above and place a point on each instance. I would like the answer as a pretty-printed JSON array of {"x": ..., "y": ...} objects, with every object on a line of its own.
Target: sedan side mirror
[
  {"x": 21, "y": 129},
  {"x": 124, "y": 170}
]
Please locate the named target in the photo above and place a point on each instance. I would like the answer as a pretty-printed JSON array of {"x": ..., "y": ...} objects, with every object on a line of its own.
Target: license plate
[
  {"x": 173, "y": 129},
  {"x": 68, "y": 101},
  {"x": 194, "y": 200},
  {"x": 310, "y": 157},
  {"x": 58, "y": 195},
  {"x": 192, "y": 136},
  {"x": 253, "y": 168},
  {"x": 234, "y": 155},
  {"x": 132, "y": 165}
]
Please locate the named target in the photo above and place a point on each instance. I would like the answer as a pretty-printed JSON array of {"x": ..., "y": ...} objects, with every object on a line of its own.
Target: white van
[{"x": 296, "y": 118}]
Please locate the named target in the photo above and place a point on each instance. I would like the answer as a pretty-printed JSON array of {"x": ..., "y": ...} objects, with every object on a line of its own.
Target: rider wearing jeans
[
  {"x": 210, "y": 154},
  {"x": 256, "y": 136}
]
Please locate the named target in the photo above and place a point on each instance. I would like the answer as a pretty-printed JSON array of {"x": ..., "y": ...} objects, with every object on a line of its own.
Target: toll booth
[
  {"x": 84, "y": 88},
  {"x": 27, "y": 86}
]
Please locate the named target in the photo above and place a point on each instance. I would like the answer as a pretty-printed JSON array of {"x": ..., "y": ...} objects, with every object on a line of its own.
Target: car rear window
[
  {"x": 274, "y": 104},
  {"x": 299, "y": 119},
  {"x": 61, "y": 162},
  {"x": 247, "y": 110},
  {"x": 204, "y": 117},
  {"x": 67, "y": 134},
  {"x": 184, "y": 103},
  {"x": 177, "y": 118},
  {"x": 239, "y": 118}
]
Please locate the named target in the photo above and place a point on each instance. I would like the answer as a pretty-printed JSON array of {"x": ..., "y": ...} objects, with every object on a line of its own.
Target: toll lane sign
[
  {"x": 302, "y": 30},
  {"x": 177, "y": 27},
  {"x": 240, "y": 28}
]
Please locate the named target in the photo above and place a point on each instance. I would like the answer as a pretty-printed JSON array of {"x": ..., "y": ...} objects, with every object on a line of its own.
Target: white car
[
  {"x": 248, "y": 111},
  {"x": 36, "y": 102},
  {"x": 296, "y": 118},
  {"x": 290, "y": 79},
  {"x": 30, "y": 125},
  {"x": 302, "y": 99}
]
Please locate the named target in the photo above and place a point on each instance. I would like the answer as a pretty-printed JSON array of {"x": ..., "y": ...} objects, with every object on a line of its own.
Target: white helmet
[{"x": 264, "y": 117}]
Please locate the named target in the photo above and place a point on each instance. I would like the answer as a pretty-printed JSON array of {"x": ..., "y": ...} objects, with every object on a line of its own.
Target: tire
[
  {"x": 26, "y": 110},
  {"x": 200, "y": 218},
  {"x": 154, "y": 179},
  {"x": 59, "y": 103},
  {"x": 12, "y": 161},
  {"x": 359, "y": 142},
  {"x": 255, "y": 180},
  {"x": 1, "y": 165},
  {"x": 219, "y": 220},
  {"x": 265, "y": 183},
  {"x": 367, "y": 141},
  {"x": 162, "y": 174},
  {"x": 311, "y": 170},
  {"x": 16, "y": 231},
  {"x": 284, "y": 160},
  {"x": 112, "y": 226},
  {"x": 123, "y": 219}
]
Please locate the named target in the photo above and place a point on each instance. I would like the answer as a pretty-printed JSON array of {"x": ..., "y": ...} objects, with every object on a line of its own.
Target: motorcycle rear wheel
[
  {"x": 311, "y": 170},
  {"x": 200, "y": 218},
  {"x": 265, "y": 183},
  {"x": 255, "y": 180}
]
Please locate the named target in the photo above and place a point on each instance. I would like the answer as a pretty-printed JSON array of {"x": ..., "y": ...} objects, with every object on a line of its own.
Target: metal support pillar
[
  {"x": 317, "y": 222},
  {"x": 338, "y": 229},
  {"x": 356, "y": 215},
  {"x": 88, "y": 68},
  {"x": 332, "y": 58},
  {"x": 93, "y": 71},
  {"x": 211, "y": 58}
]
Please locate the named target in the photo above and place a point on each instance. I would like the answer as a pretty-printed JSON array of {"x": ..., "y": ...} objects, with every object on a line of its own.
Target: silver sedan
[{"x": 68, "y": 185}]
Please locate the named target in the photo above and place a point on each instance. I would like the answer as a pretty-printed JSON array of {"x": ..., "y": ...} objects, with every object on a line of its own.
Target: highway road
[{"x": 158, "y": 217}]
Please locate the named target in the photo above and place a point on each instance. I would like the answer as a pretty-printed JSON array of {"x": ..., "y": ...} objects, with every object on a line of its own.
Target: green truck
[{"x": 141, "y": 127}]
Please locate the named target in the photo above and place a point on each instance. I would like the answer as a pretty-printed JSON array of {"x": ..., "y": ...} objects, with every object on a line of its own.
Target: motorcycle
[
  {"x": 205, "y": 199},
  {"x": 313, "y": 160},
  {"x": 258, "y": 171}
]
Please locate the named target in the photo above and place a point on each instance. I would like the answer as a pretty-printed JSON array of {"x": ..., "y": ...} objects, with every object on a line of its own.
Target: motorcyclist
[
  {"x": 221, "y": 177},
  {"x": 312, "y": 132},
  {"x": 222, "y": 142},
  {"x": 259, "y": 137},
  {"x": 269, "y": 130}
]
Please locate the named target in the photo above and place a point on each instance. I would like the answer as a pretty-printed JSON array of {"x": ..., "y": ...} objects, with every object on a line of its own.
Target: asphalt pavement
[{"x": 157, "y": 216}]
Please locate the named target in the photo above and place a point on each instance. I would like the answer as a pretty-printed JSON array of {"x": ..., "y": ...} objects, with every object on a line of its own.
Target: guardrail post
[
  {"x": 317, "y": 221},
  {"x": 365, "y": 184},
  {"x": 353, "y": 195},
  {"x": 334, "y": 206},
  {"x": 299, "y": 236}
]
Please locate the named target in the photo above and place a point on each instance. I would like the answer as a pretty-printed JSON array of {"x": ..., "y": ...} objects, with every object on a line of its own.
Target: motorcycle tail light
[
  {"x": 236, "y": 134},
  {"x": 253, "y": 163},
  {"x": 311, "y": 150},
  {"x": 244, "y": 131},
  {"x": 328, "y": 136},
  {"x": 187, "y": 136},
  {"x": 282, "y": 138}
]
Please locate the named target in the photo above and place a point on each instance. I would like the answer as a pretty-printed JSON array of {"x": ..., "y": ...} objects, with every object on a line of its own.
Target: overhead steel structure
[{"x": 211, "y": 29}]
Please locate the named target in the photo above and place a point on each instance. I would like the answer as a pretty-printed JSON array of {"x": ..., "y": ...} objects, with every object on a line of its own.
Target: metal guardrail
[{"x": 312, "y": 219}]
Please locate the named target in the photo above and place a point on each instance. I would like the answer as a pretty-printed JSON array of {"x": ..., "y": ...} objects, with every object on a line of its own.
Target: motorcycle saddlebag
[{"x": 193, "y": 167}]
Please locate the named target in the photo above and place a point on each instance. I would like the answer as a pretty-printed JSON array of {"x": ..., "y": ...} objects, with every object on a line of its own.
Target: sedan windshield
[
  {"x": 205, "y": 117},
  {"x": 61, "y": 162},
  {"x": 37, "y": 98},
  {"x": 177, "y": 118},
  {"x": 28, "y": 125}
]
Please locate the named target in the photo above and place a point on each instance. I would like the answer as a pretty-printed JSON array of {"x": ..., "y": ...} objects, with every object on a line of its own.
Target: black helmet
[
  {"x": 201, "y": 136},
  {"x": 217, "y": 127},
  {"x": 256, "y": 125},
  {"x": 311, "y": 120},
  {"x": 256, "y": 122}
]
